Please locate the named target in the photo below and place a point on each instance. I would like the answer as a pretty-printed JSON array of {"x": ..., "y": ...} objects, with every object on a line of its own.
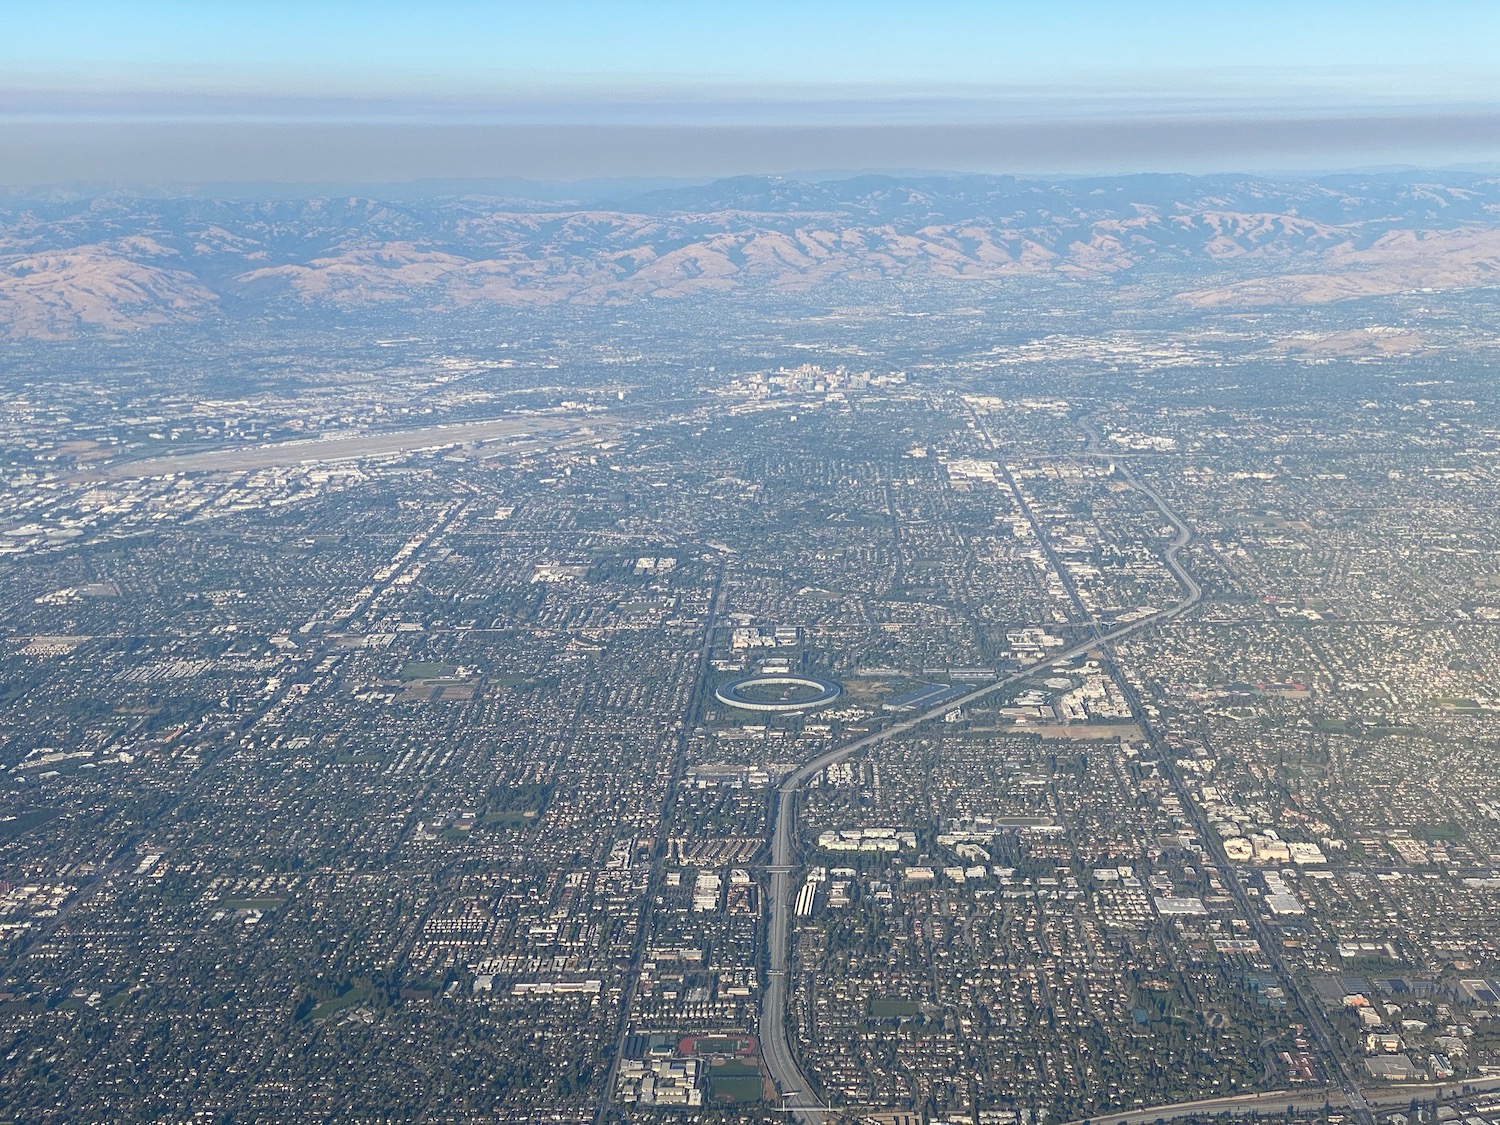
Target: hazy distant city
[{"x": 893, "y": 650}]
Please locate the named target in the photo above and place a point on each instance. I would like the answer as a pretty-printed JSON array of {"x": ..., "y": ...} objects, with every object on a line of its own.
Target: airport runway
[{"x": 352, "y": 447}]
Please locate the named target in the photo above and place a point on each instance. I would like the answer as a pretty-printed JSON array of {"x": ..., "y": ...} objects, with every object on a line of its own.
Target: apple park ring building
[{"x": 779, "y": 691}]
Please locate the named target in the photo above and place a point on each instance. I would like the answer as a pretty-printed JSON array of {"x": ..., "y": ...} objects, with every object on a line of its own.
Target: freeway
[
  {"x": 1271, "y": 1101},
  {"x": 798, "y": 1098},
  {"x": 1279, "y": 1101}
]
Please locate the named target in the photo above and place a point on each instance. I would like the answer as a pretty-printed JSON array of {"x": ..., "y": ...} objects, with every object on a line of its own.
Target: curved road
[{"x": 781, "y": 1060}]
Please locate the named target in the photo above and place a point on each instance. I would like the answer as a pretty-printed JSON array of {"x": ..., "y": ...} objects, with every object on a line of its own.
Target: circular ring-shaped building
[{"x": 796, "y": 693}]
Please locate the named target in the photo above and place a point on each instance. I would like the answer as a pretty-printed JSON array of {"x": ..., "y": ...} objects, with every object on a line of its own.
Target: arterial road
[{"x": 798, "y": 1098}]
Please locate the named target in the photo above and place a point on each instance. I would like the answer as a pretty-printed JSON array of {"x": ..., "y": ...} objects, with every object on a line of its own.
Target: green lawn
[
  {"x": 333, "y": 1007},
  {"x": 20, "y": 822},
  {"x": 426, "y": 670},
  {"x": 718, "y": 1044},
  {"x": 732, "y": 1068},
  {"x": 734, "y": 1090}
]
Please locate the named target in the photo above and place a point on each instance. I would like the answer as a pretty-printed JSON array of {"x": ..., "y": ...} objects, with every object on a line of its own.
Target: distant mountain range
[{"x": 115, "y": 263}]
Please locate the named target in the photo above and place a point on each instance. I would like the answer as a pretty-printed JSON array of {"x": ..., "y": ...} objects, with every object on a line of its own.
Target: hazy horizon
[{"x": 164, "y": 91}]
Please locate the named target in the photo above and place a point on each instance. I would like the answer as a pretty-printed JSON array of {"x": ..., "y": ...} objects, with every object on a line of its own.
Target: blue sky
[
  {"x": 769, "y": 49},
  {"x": 769, "y": 64}
]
